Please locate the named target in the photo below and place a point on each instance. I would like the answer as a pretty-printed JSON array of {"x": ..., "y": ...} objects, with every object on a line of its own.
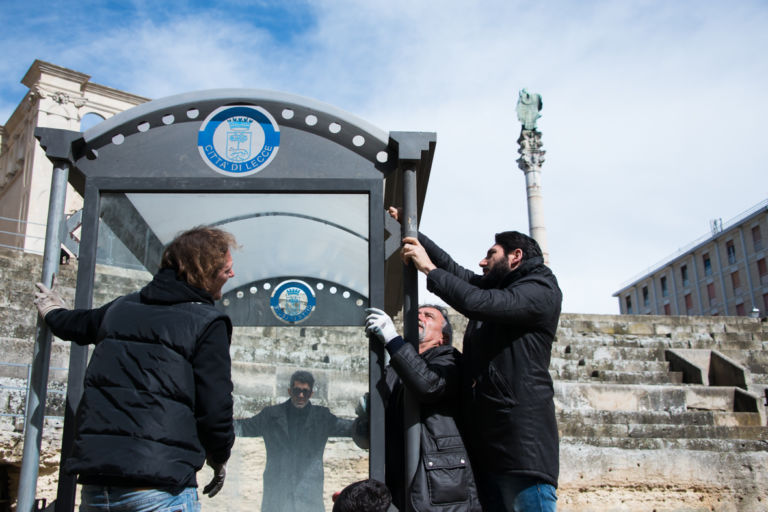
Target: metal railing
[
  {"x": 25, "y": 388},
  {"x": 22, "y": 236}
]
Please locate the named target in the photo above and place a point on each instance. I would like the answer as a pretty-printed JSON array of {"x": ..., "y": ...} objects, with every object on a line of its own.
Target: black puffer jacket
[
  {"x": 444, "y": 480},
  {"x": 158, "y": 391},
  {"x": 508, "y": 391}
]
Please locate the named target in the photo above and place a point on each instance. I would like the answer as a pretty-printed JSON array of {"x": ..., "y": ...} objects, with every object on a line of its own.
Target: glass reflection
[{"x": 297, "y": 301}]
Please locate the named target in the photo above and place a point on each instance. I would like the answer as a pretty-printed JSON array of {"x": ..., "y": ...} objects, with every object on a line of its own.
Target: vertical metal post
[
  {"x": 78, "y": 355},
  {"x": 35, "y": 413},
  {"x": 410, "y": 332}
]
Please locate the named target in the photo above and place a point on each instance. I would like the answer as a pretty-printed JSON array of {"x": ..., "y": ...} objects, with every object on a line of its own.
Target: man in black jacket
[
  {"x": 443, "y": 481},
  {"x": 295, "y": 433},
  {"x": 513, "y": 311},
  {"x": 157, "y": 398}
]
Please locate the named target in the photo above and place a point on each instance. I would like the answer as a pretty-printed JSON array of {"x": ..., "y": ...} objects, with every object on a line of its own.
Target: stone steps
[
  {"x": 691, "y": 417},
  {"x": 675, "y": 399},
  {"x": 626, "y": 365},
  {"x": 594, "y": 352},
  {"x": 585, "y": 374},
  {"x": 651, "y": 431},
  {"x": 622, "y": 340},
  {"x": 645, "y": 443}
]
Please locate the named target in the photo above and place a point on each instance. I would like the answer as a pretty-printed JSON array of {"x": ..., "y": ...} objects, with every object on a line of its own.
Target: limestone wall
[{"x": 637, "y": 433}]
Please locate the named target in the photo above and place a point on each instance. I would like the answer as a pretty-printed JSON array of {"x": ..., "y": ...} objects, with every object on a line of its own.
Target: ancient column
[{"x": 531, "y": 158}]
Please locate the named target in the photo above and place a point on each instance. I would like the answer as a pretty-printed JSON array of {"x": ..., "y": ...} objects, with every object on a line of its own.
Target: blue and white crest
[
  {"x": 292, "y": 301},
  {"x": 238, "y": 140}
]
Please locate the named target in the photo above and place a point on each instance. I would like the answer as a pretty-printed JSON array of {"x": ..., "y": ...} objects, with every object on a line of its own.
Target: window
[
  {"x": 707, "y": 264},
  {"x": 740, "y": 310},
  {"x": 762, "y": 269},
  {"x": 645, "y": 296},
  {"x": 757, "y": 238},
  {"x": 765, "y": 304},
  {"x": 667, "y": 310},
  {"x": 731, "y": 250},
  {"x": 711, "y": 294},
  {"x": 684, "y": 275},
  {"x": 628, "y": 302},
  {"x": 736, "y": 282},
  {"x": 688, "y": 303},
  {"x": 664, "y": 290}
]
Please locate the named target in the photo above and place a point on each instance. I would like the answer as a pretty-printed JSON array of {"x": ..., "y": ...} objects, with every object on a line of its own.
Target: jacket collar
[
  {"x": 526, "y": 267},
  {"x": 167, "y": 288}
]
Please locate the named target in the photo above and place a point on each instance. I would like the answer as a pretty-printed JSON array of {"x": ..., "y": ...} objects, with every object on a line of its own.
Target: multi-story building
[
  {"x": 723, "y": 273},
  {"x": 57, "y": 98}
]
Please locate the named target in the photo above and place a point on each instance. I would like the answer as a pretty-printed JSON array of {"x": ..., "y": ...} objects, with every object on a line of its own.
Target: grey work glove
[
  {"x": 46, "y": 299},
  {"x": 217, "y": 482},
  {"x": 380, "y": 325}
]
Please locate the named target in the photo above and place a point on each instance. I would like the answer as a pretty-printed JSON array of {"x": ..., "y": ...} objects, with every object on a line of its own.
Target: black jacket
[
  {"x": 293, "y": 476},
  {"x": 507, "y": 387},
  {"x": 443, "y": 480},
  {"x": 157, "y": 395}
]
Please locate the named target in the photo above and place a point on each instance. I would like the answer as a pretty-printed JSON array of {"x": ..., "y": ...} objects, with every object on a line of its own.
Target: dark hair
[
  {"x": 303, "y": 376},
  {"x": 197, "y": 255},
  {"x": 511, "y": 240},
  {"x": 447, "y": 329},
  {"x": 363, "y": 496}
]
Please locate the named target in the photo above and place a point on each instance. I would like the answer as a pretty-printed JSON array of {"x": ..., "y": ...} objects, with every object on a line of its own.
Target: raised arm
[
  {"x": 529, "y": 301},
  {"x": 429, "y": 381}
]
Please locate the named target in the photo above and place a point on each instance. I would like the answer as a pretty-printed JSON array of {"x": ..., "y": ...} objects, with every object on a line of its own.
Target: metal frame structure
[{"x": 152, "y": 148}]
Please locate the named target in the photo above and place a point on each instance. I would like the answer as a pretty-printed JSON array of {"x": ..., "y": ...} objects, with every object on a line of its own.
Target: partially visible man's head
[
  {"x": 363, "y": 496},
  {"x": 511, "y": 240},
  {"x": 434, "y": 327},
  {"x": 201, "y": 257},
  {"x": 300, "y": 390},
  {"x": 508, "y": 253}
]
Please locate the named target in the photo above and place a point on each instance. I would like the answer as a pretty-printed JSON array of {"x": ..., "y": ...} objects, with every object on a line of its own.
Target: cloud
[{"x": 653, "y": 115}]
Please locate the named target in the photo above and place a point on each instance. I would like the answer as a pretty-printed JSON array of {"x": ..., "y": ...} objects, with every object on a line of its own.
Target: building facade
[
  {"x": 57, "y": 98},
  {"x": 725, "y": 273}
]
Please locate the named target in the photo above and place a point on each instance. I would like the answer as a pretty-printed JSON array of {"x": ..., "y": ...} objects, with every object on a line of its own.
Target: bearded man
[
  {"x": 507, "y": 393},
  {"x": 431, "y": 372}
]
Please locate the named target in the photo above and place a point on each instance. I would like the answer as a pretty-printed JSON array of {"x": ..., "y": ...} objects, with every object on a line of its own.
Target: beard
[{"x": 494, "y": 276}]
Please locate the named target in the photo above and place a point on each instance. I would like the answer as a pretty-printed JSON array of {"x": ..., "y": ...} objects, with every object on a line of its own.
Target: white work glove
[
  {"x": 361, "y": 409},
  {"x": 217, "y": 482},
  {"x": 47, "y": 299},
  {"x": 380, "y": 325}
]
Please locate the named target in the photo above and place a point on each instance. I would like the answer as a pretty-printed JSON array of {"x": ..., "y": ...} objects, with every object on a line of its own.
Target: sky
[{"x": 653, "y": 120}]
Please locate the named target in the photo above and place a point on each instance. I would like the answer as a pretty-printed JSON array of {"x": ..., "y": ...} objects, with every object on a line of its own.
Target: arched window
[{"x": 90, "y": 120}]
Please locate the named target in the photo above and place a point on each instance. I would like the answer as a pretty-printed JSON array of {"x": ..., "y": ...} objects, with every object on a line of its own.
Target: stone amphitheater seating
[{"x": 655, "y": 413}]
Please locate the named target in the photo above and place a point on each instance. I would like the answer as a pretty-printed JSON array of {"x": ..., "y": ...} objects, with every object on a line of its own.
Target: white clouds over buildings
[{"x": 653, "y": 120}]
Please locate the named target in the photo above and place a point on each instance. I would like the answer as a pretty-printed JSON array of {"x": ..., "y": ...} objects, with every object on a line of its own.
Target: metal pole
[
  {"x": 411, "y": 333},
  {"x": 35, "y": 413}
]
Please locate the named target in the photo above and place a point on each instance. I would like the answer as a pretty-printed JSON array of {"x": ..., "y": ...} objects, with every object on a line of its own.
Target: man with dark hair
[
  {"x": 431, "y": 373},
  {"x": 157, "y": 398},
  {"x": 363, "y": 496},
  {"x": 295, "y": 433},
  {"x": 513, "y": 311}
]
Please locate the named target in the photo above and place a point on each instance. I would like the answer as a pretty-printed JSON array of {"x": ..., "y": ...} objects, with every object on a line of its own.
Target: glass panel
[{"x": 297, "y": 301}]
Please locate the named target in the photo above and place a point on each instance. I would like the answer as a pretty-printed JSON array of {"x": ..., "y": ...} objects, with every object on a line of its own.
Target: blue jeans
[
  {"x": 97, "y": 498},
  {"x": 520, "y": 494}
]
